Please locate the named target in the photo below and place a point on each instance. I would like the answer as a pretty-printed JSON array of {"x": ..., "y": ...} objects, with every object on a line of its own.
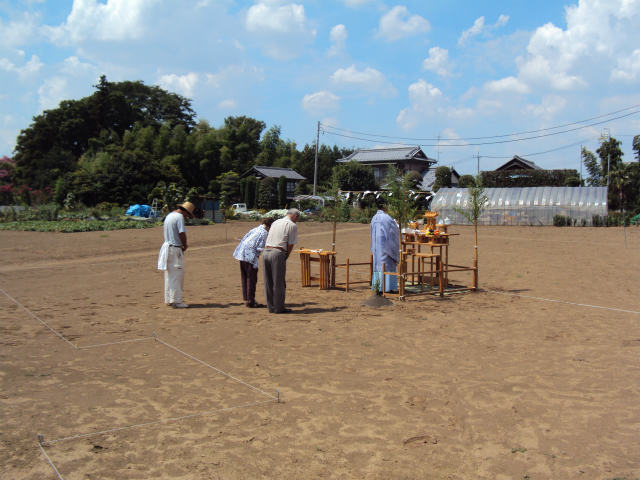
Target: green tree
[
  {"x": 267, "y": 193},
  {"x": 477, "y": 202},
  {"x": 636, "y": 147},
  {"x": 466, "y": 181},
  {"x": 354, "y": 176},
  {"x": 56, "y": 139},
  {"x": 610, "y": 156},
  {"x": 443, "y": 178},
  {"x": 282, "y": 191},
  {"x": 241, "y": 137},
  {"x": 229, "y": 188},
  {"x": 594, "y": 169}
]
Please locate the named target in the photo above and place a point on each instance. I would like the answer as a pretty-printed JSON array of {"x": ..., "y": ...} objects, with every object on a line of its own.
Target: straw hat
[{"x": 188, "y": 207}]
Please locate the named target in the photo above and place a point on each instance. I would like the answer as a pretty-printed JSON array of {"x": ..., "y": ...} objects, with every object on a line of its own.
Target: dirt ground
[{"x": 499, "y": 384}]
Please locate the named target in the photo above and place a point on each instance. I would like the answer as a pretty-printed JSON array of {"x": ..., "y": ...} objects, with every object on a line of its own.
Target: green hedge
[
  {"x": 530, "y": 178},
  {"x": 69, "y": 226}
]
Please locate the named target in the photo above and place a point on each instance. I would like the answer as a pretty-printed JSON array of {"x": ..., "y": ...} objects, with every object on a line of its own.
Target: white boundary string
[
  {"x": 115, "y": 343},
  {"x": 214, "y": 368},
  {"x": 156, "y": 422},
  {"x": 47, "y": 457},
  {"x": 563, "y": 301},
  {"x": 38, "y": 319}
]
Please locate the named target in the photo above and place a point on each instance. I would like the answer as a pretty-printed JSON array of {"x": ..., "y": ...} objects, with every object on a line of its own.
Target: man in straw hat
[{"x": 171, "y": 256}]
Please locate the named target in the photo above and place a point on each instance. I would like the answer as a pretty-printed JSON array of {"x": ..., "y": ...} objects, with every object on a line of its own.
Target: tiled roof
[
  {"x": 516, "y": 159},
  {"x": 387, "y": 155},
  {"x": 275, "y": 172}
]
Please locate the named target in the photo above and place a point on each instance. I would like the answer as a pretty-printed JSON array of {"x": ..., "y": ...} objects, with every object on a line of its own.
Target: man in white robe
[{"x": 385, "y": 248}]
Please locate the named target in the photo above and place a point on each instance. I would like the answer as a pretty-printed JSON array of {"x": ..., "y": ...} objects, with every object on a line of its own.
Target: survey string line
[
  {"x": 115, "y": 343},
  {"x": 155, "y": 422},
  {"x": 613, "y": 309},
  {"x": 49, "y": 460},
  {"x": 38, "y": 319},
  {"x": 214, "y": 368}
]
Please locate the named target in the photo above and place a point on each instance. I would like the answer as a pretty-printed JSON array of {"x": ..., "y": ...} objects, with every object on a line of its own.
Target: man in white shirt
[
  {"x": 171, "y": 256},
  {"x": 283, "y": 235}
]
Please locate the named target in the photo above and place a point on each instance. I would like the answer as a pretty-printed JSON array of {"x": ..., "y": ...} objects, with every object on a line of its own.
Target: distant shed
[{"x": 525, "y": 205}]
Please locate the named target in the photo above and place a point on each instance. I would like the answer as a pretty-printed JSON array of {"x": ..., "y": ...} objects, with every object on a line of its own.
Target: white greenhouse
[{"x": 524, "y": 205}]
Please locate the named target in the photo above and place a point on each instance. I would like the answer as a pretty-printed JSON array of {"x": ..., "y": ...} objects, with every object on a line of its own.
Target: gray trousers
[{"x": 275, "y": 270}]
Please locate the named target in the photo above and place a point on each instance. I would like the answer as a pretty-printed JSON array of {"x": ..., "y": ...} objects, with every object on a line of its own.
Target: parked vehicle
[{"x": 239, "y": 207}]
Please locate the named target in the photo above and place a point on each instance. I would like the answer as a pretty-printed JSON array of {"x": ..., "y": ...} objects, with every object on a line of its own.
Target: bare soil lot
[{"x": 498, "y": 384}]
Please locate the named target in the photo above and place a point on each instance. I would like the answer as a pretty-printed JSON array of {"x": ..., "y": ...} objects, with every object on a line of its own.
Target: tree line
[{"x": 128, "y": 141}]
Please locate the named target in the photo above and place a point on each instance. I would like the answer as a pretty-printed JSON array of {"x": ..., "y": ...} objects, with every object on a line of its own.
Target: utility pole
[
  {"x": 580, "y": 162},
  {"x": 478, "y": 155},
  {"x": 607, "y": 136},
  {"x": 315, "y": 168}
]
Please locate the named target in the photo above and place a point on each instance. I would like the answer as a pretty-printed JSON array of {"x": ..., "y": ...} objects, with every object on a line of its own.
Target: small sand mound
[{"x": 376, "y": 301}]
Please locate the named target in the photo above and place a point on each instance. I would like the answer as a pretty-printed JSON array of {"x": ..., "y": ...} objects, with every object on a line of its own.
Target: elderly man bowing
[
  {"x": 385, "y": 247},
  {"x": 283, "y": 235},
  {"x": 171, "y": 256}
]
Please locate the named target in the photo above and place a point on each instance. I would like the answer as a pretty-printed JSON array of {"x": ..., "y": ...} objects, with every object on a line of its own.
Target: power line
[
  {"x": 468, "y": 144},
  {"x": 540, "y": 153},
  {"x": 486, "y": 137}
]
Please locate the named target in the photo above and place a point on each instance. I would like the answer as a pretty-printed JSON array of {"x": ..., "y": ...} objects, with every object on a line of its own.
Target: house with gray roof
[
  {"x": 518, "y": 163},
  {"x": 405, "y": 159},
  {"x": 290, "y": 174},
  {"x": 429, "y": 178}
]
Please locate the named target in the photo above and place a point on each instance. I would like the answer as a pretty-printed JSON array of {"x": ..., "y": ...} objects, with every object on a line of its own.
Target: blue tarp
[{"x": 139, "y": 211}]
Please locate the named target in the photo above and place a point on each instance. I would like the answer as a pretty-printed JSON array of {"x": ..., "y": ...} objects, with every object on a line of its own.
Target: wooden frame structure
[
  {"x": 347, "y": 266},
  {"x": 439, "y": 268}
]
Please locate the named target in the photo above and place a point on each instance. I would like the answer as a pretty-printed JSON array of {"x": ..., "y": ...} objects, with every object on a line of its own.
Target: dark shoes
[
  {"x": 255, "y": 305},
  {"x": 286, "y": 310}
]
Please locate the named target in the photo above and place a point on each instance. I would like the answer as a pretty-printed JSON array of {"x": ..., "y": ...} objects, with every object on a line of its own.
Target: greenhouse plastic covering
[{"x": 524, "y": 205}]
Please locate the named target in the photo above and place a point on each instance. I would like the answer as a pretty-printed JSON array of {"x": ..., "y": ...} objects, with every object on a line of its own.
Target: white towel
[{"x": 162, "y": 256}]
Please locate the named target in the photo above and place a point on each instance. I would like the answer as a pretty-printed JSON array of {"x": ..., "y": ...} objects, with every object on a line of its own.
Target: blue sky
[{"x": 410, "y": 72}]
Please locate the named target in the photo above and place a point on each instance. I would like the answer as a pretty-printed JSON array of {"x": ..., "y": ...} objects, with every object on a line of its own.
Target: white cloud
[
  {"x": 72, "y": 79},
  {"x": 320, "y": 102},
  {"x": 115, "y": 20},
  {"x": 232, "y": 75},
  {"x": 397, "y": 23},
  {"x": 628, "y": 68},
  {"x": 476, "y": 29},
  {"x": 182, "y": 84},
  {"x": 507, "y": 85},
  {"x": 596, "y": 46},
  {"x": 52, "y": 91},
  {"x": 356, "y": 3},
  {"x": 424, "y": 99},
  {"x": 26, "y": 71},
  {"x": 550, "y": 105},
  {"x": 451, "y": 138},
  {"x": 282, "y": 28},
  {"x": 502, "y": 21},
  {"x": 19, "y": 32},
  {"x": 338, "y": 37},
  {"x": 369, "y": 80},
  {"x": 438, "y": 61},
  {"x": 479, "y": 27},
  {"x": 227, "y": 104}
]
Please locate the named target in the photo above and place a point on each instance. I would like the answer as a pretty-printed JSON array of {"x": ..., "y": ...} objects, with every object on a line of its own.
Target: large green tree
[
  {"x": 56, "y": 139},
  {"x": 354, "y": 176}
]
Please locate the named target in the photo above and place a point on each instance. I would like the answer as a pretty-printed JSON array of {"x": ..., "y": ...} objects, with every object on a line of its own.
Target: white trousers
[{"x": 174, "y": 276}]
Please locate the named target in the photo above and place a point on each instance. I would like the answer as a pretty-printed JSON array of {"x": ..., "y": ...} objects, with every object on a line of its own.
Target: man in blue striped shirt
[{"x": 248, "y": 252}]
